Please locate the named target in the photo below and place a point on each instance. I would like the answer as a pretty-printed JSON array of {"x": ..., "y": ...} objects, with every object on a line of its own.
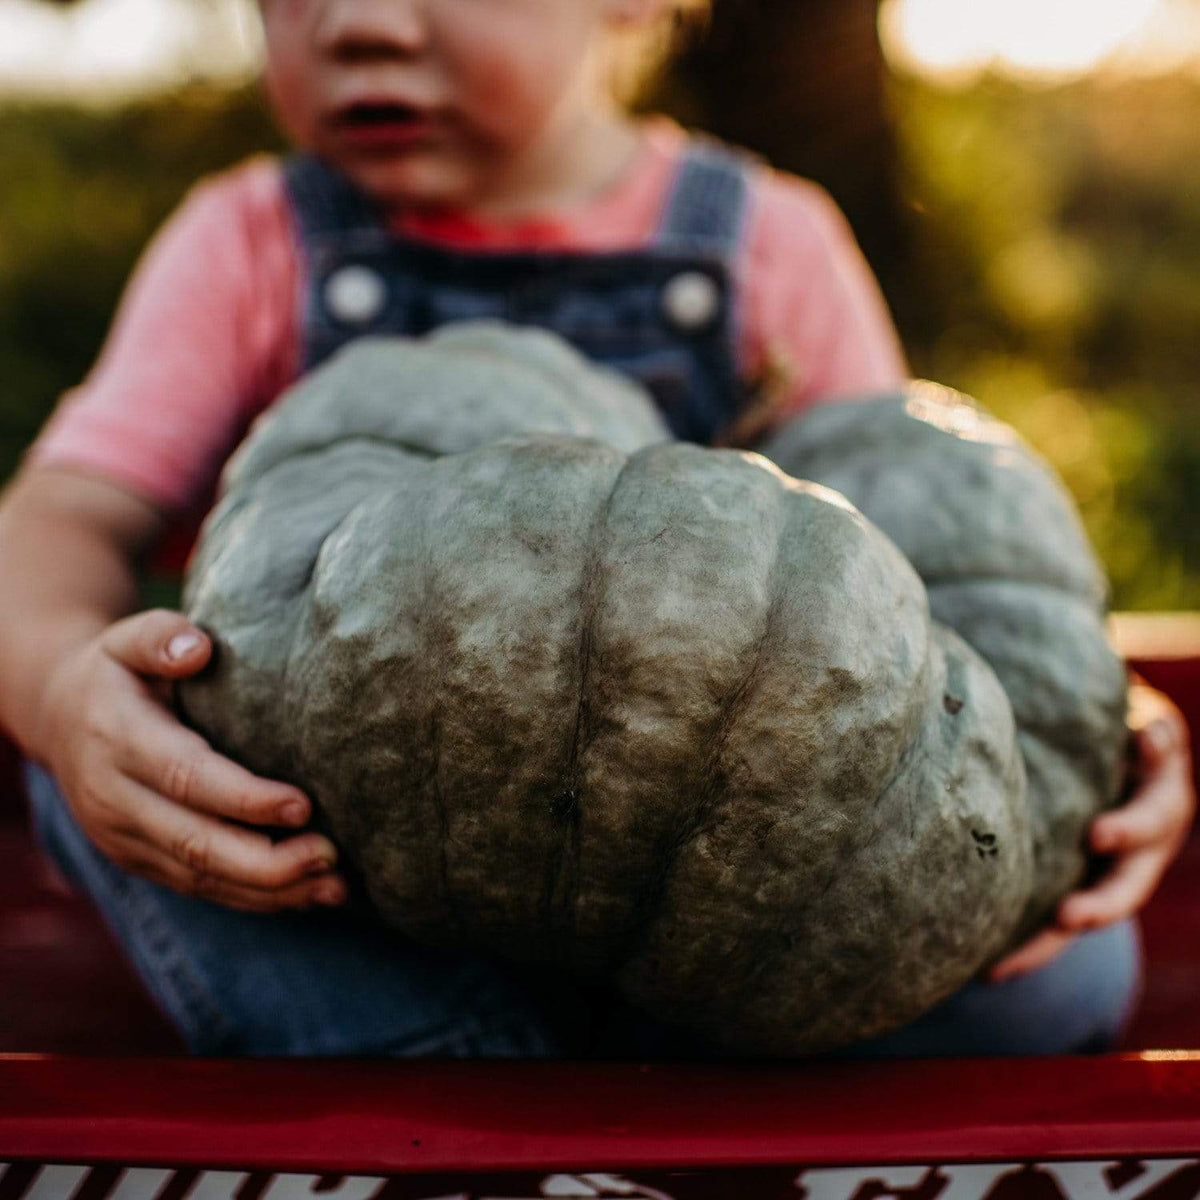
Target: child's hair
[{"x": 638, "y": 56}]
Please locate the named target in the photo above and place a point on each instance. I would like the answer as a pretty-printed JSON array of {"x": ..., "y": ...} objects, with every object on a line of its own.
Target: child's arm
[
  {"x": 84, "y": 692},
  {"x": 1144, "y": 835},
  {"x": 816, "y": 324}
]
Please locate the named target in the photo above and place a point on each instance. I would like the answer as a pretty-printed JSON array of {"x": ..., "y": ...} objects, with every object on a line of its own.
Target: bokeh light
[
  {"x": 1054, "y": 38},
  {"x": 112, "y": 48}
]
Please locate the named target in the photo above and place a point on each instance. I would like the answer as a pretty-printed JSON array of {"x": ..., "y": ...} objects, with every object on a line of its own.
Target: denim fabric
[
  {"x": 615, "y": 308},
  {"x": 1080, "y": 1003},
  {"x": 328, "y": 982},
  {"x": 339, "y": 983}
]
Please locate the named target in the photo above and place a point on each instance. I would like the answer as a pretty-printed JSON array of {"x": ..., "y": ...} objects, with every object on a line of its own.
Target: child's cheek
[
  {"x": 290, "y": 69},
  {"x": 497, "y": 89},
  {"x": 281, "y": 91},
  {"x": 513, "y": 93},
  {"x": 290, "y": 84}
]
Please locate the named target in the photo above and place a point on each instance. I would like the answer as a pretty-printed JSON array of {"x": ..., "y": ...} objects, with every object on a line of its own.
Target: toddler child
[{"x": 456, "y": 159}]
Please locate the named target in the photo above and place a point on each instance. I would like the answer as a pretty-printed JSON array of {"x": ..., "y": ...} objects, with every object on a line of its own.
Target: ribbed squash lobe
[{"x": 572, "y": 692}]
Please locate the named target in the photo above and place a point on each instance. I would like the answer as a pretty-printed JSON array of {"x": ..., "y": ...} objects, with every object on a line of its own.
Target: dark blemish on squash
[
  {"x": 952, "y": 704},
  {"x": 563, "y": 805},
  {"x": 535, "y": 541},
  {"x": 985, "y": 844}
]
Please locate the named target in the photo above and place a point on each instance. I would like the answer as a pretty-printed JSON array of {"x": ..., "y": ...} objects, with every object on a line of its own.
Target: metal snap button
[
  {"x": 355, "y": 294},
  {"x": 691, "y": 300}
]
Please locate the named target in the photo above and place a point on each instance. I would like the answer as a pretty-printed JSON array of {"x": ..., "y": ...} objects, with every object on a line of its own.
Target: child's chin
[{"x": 405, "y": 180}]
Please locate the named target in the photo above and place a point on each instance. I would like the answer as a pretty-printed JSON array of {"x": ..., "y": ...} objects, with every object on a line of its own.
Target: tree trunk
[{"x": 803, "y": 83}]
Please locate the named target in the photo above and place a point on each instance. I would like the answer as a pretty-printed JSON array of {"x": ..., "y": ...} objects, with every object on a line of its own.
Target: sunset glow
[
  {"x": 112, "y": 47},
  {"x": 101, "y": 48},
  {"x": 1038, "y": 38}
]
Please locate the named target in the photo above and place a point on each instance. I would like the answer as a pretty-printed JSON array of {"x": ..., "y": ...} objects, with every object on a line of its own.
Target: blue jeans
[{"x": 337, "y": 982}]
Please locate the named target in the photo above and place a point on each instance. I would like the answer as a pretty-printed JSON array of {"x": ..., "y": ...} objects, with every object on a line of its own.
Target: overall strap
[
  {"x": 324, "y": 201},
  {"x": 706, "y": 208},
  {"x": 336, "y": 224},
  {"x": 666, "y": 315}
]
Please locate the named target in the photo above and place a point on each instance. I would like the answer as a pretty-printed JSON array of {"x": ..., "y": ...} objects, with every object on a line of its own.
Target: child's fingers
[
  {"x": 1159, "y": 725},
  {"x": 1158, "y": 740},
  {"x": 1158, "y": 813},
  {"x": 142, "y": 859},
  {"x": 158, "y": 642},
  {"x": 1120, "y": 894},
  {"x": 205, "y": 852},
  {"x": 180, "y": 765},
  {"x": 1161, "y": 742},
  {"x": 1037, "y": 952}
]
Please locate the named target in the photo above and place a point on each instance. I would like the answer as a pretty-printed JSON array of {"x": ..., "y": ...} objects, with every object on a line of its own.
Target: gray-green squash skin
[
  {"x": 997, "y": 541},
  {"x": 575, "y": 693}
]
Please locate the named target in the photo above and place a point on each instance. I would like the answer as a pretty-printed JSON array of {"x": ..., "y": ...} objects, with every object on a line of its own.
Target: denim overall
[
  {"x": 336, "y": 982},
  {"x": 664, "y": 315}
]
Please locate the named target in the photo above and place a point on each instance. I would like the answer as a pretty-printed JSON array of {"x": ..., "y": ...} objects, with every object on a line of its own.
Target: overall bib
[{"x": 336, "y": 982}]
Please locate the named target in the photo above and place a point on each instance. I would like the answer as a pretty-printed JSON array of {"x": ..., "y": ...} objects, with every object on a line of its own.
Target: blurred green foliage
[
  {"x": 1051, "y": 267},
  {"x": 1055, "y": 274},
  {"x": 81, "y": 192}
]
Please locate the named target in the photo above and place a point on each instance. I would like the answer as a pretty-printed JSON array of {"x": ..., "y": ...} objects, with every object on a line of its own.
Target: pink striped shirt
[{"x": 206, "y": 335}]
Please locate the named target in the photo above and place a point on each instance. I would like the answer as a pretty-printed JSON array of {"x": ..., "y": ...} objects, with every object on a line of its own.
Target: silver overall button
[
  {"x": 355, "y": 294},
  {"x": 691, "y": 300}
]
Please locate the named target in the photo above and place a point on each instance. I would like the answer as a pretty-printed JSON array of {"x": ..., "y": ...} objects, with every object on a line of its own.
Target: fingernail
[
  {"x": 181, "y": 644},
  {"x": 292, "y": 812},
  {"x": 329, "y": 891},
  {"x": 320, "y": 864}
]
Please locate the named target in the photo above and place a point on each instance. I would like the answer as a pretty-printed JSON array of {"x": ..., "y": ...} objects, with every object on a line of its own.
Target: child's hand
[
  {"x": 153, "y": 796},
  {"x": 1143, "y": 835}
]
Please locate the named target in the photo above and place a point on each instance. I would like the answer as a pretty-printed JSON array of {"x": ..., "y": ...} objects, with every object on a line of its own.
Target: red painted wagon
[{"x": 98, "y": 1103}]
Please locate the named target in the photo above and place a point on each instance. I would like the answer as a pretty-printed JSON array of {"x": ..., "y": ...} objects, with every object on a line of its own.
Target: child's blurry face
[{"x": 436, "y": 102}]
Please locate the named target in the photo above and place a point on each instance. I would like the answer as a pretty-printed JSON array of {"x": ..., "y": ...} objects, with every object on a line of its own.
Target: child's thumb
[
  {"x": 158, "y": 642},
  {"x": 1156, "y": 743}
]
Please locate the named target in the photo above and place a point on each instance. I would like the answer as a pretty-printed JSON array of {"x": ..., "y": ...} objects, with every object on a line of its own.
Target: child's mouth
[{"x": 382, "y": 125}]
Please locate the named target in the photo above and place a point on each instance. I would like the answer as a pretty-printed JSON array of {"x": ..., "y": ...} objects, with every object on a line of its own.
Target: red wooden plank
[
  {"x": 64, "y": 984},
  {"x": 423, "y": 1116}
]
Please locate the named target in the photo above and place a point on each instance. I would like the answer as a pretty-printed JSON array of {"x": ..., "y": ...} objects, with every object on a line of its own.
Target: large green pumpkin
[{"x": 575, "y": 693}]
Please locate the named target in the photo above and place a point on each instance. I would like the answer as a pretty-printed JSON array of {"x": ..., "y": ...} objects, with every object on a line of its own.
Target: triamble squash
[{"x": 575, "y": 693}]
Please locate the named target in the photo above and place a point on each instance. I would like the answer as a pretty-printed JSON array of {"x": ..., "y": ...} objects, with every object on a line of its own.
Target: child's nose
[{"x": 352, "y": 30}]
